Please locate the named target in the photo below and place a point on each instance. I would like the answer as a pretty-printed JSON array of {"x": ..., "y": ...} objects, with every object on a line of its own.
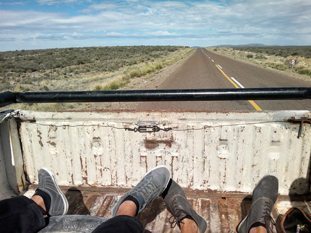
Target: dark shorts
[{"x": 22, "y": 215}]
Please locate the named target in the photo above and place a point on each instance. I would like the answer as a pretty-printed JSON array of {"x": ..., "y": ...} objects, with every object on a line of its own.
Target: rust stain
[
  {"x": 223, "y": 214},
  {"x": 205, "y": 207},
  {"x": 51, "y": 143},
  {"x": 90, "y": 201},
  {"x": 105, "y": 207},
  {"x": 39, "y": 133},
  {"x": 154, "y": 143},
  {"x": 52, "y": 130}
]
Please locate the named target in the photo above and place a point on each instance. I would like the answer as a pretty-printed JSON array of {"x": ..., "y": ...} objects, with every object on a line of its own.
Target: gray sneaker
[
  {"x": 150, "y": 187},
  {"x": 264, "y": 197},
  {"x": 59, "y": 204},
  {"x": 178, "y": 205}
]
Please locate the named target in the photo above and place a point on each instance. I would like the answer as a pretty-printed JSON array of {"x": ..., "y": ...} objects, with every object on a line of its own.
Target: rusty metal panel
[{"x": 205, "y": 151}]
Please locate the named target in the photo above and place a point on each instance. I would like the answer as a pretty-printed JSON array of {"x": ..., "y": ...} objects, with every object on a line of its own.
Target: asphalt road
[{"x": 204, "y": 69}]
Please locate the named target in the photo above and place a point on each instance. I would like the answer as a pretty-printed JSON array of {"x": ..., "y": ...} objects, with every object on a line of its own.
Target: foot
[
  {"x": 178, "y": 205},
  {"x": 264, "y": 197},
  {"x": 150, "y": 187},
  {"x": 59, "y": 204}
]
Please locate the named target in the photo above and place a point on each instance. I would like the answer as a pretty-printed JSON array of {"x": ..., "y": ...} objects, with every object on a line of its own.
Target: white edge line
[
  {"x": 219, "y": 66},
  {"x": 237, "y": 82}
]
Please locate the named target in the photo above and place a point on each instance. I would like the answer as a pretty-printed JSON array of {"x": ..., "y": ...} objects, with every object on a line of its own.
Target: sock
[
  {"x": 133, "y": 199},
  {"x": 258, "y": 224},
  {"x": 46, "y": 198}
]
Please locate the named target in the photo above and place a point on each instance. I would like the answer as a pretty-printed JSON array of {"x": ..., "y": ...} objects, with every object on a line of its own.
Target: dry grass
[
  {"x": 143, "y": 69},
  {"x": 124, "y": 65},
  {"x": 72, "y": 68},
  {"x": 274, "y": 57}
]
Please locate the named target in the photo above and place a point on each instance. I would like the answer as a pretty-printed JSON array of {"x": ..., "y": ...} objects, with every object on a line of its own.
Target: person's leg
[
  {"x": 188, "y": 225},
  {"x": 185, "y": 216},
  {"x": 128, "y": 208},
  {"x": 258, "y": 220},
  {"x": 124, "y": 221},
  {"x": 134, "y": 201},
  {"x": 21, "y": 214},
  {"x": 259, "y": 229}
]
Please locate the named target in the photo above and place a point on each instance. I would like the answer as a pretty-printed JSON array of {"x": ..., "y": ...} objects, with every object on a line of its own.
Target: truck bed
[
  {"x": 221, "y": 210},
  {"x": 218, "y": 158}
]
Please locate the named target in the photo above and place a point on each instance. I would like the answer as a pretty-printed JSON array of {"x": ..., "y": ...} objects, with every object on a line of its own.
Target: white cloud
[
  {"x": 162, "y": 33},
  {"x": 102, "y": 6},
  {"x": 205, "y": 22},
  {"x": 114, "y": 34},
  {"x": 55, "y": 2}
]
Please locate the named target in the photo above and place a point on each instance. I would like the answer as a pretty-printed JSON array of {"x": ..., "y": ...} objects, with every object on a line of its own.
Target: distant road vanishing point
[{"x": 205, "y": 69}]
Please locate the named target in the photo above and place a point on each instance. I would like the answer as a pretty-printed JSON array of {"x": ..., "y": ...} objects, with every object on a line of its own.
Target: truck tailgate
[{"x": 217, "y": 157}]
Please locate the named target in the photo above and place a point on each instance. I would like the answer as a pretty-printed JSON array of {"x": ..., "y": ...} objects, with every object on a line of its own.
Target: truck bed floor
[{"x": 221, "y": 211}]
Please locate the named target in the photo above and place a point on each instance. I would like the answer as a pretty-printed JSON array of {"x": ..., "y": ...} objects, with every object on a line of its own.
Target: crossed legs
[{"x": 49, "y": 201}]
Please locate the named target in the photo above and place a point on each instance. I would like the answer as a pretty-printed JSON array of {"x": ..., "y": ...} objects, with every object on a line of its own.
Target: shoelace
[
  {"x": 269, "y": 221},
  {"x": 172, "y": 221},
  {"x": 177, "y": 212},
  {"x": 147, "y": 189},
  {"x": 270, "y": 224}
]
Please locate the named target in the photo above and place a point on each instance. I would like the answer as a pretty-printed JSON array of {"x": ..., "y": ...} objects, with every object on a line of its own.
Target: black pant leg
[
  {"x": 120, "y": 224},
  {"x": 20, "y": 215}
]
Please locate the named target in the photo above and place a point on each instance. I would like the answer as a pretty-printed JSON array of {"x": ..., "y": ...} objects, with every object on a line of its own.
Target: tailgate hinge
[{"x": 300, "y": 121}]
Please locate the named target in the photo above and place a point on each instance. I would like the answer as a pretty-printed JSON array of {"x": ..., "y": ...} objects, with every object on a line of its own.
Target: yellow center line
[
  {"x": 255, "y": 105},
  {"x": 252, "y": 102}
]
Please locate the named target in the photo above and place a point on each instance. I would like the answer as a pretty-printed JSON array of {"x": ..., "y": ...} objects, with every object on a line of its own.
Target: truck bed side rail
[{"x": 7, "y": 98}]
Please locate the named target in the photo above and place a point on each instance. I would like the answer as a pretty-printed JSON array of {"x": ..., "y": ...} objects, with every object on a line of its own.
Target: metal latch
[
  {"x": 300, "y": 121},
  {"x": 148, "y": 127}
]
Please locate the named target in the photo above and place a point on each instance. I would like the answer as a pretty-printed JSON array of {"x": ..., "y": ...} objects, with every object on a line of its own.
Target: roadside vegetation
[
  {"x": 76, "y": 68},
  {"x": 290, "y": 59},
  {"x": 96, "y": 68}
]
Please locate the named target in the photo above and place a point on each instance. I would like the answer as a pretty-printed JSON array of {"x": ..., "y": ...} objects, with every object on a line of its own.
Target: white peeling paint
[{"x": 218, "y": 151}]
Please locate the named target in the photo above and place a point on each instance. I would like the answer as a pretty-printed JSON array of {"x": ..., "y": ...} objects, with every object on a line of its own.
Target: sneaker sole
[
  {"x": 64, "y": 199},
  {"x": 240, "y": 224}
]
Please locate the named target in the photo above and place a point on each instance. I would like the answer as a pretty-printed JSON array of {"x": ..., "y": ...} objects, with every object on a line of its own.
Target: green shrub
[
  {"x": 260, "y": 56},
  {"x": 98, "y": 88},
  {"x": 277, "y": 66},
  {"x": 135, "y": 73},
  {"x": 283, "y": 51},
  {"x": 114, "y": 85},
  {"x": 303, "y": 71}
]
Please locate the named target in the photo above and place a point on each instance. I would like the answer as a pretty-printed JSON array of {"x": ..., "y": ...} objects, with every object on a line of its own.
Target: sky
[{"x": 38, "y": 24}]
